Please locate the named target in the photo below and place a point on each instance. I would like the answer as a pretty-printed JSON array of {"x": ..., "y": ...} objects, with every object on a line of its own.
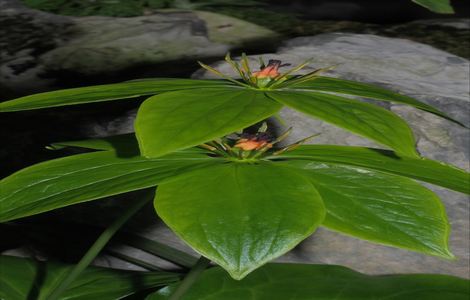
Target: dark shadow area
[
  {"x": 66, "y": 234},
  {"x": 25, "y": 134},
  {"x": 366, "y": 11},
  {"x": 387, "y": 153}
]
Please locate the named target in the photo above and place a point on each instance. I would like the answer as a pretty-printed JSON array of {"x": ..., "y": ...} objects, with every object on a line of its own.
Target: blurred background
[{"x": 53, "y": 44}]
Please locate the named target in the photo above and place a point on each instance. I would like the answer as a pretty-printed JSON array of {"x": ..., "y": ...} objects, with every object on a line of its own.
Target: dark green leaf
[
  {"x": 348, "y": 87},
  {"x": 320, "y": 282},
  {"x": 182, "y": 119},
  {"x": 241, "y": 215},
  {"x": 438, "y": 6},
  {"x": 123, "y": 143},
  {"x": 78, "y": 178},
  {"x": 98, "y": 93},
  {"x": 22, "y": 278},
  {"x": 380, "y": 207},
  {"x": 364, "y": 119},
  {"x": 382, "y": 160}
]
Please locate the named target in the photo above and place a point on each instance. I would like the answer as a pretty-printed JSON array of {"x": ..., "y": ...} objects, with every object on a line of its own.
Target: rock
[
  {"x": 423, "y": 72},
  {"x": 452, "y": 23},
  {"x": 25, "y": 35},
  {"x": 38, "y": 46},
  {"x": 105, "y": 44},
  {"x": 451, "y": 35}
]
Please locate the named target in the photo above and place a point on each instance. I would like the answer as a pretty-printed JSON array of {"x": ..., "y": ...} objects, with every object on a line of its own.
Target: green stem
[
  {"x": 96, "y": 248},
  {"x": 166, "y": 252},
  {"x": 189, "y": 280},
  {"x": 134, "y": 261}
]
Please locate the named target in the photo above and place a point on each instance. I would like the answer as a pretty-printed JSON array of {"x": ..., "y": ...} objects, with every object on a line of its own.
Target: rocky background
[{"x": 418, "y": 56}]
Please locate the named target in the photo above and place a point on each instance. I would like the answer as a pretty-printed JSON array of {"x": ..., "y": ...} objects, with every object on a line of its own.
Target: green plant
[
  {"x": 239, "y": 199},
  {"x": 273, "y": 281},
  {"x": 437, "y": 6}
]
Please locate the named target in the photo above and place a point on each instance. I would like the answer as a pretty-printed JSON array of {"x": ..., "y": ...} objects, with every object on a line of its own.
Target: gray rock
[
  {"x": 428, "y": 74},
  {"x": 105, "y": 44},
  {"x": 25, "y": 35},
  {"x": 37, "y": 46},
  {"x": 454, "y": 23}
]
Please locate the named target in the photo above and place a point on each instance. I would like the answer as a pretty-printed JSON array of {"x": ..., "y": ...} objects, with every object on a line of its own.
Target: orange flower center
[
  {"x": 270, "y": 71},
  {"x": 252, "y": 144}
]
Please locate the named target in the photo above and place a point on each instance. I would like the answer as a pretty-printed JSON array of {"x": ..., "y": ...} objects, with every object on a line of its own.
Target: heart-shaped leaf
[
  {"x": 320, "y": 282},
  {"x": 78, "y": 178},
  {"x": 23, "y": 278},
  {"x": 183, "y": 119},
  {"x": 364, "y": 119},
  {"x": 241, "y": 215},
  {"x": 422, "y": 169},
  {"x": 380, "y": 207},
  {"x": 106, "y": 92}
]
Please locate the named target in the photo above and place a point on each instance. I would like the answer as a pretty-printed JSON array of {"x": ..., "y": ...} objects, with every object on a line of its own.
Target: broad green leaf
[
  {"x": 123, "y": 143},
  {"x": 183, "y": 119},
  {"x": 422, "y": 169},
  {"x": 320, "y": 282},
  {"x": 438, "y": 6},
  {"x": 364, "y": 119},
  {"x": 23, "y": 278},
  {"x": 348, "y": 87},
  {"x": 78, "y": 178},
  {"x": 106, "y": 92},
  {"x": 380, "y": 207},
  {"x": 241, "y": 215}
]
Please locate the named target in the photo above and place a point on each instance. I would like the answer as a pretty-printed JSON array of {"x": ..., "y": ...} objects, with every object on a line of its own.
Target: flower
[
  {"x": 257, "y": 141},
  {"x": 270, "y": 71}
]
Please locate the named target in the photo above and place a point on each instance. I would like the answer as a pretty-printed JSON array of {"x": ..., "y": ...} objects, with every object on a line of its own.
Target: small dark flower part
[
  {"x": 271, "y": 70},
  {"x": 256, "y": 141}
]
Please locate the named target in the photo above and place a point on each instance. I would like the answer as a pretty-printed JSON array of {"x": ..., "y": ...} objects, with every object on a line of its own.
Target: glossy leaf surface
[
  {"x": 99, "y": 93},
  {"x": 320, "y": 282},
  {"x": 387, "y": 161},
  {"x": 22, "y": 278},
  {"x": 354, "y": 88},
  {"x": 364, "y": 119},
  {"x": 78, "y": 178},
  {"x": 241, "y": 215},
  {"x": 439, "y": 6},
  {"x": 183, "y": 119},
  {"x": 379, "y": 207}
]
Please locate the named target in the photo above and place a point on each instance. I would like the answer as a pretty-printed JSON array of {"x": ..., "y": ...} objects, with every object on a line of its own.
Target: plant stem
[
  {"x": 166, "y": 252},
  {"x": 189, "y": 280},
  {"x": 95, "y": 249},
  {"x": 134, "y": 261}
]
